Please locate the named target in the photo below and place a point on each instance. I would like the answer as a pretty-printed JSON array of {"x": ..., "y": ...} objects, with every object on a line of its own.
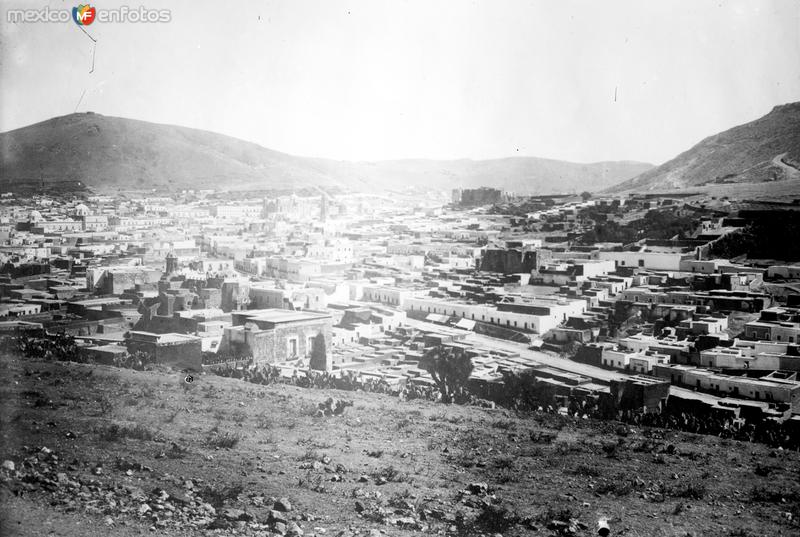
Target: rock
[
  {"x": 363, "y": 479},
  {"x": 478, "y": 488},
  {"x": 108, "y": 521},
  {"x": 235, "y": 514},
  {"x": 280, "y": 528},
  {"x": 403, "y": 521},
  {"x": 293, "y": 530},
  {"x": 144, "y": 509},
  {"x": 282, "y": 504},
  {"x": 180, "y": 498},
  {"x": 208, "y": 508},
  {"x": 278, "y": 516},
  {"x": 9, "y": 466}
]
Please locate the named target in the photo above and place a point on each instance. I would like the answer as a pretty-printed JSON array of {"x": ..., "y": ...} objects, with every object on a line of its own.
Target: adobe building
[
  {"x": 177, "y": 350},
  {"x": 275, "y": 335}
]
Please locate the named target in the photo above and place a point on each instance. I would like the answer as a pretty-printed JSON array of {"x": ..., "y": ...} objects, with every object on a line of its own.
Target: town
[{"x": 637, "y": 307}]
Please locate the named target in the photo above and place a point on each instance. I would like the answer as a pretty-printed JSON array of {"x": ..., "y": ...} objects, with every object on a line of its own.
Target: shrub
[
  {"x": 694, "y": 491},
  {"x": 223, "y": 439},
  {"x": 116, "y": 432},
  {"x": 391, "y": 474},
  {"x": 587, "y": 470},
  {"x": 217, "y": 497},
  {"x": 504, "y": 424},
  {"x": 773, "y": 494}
]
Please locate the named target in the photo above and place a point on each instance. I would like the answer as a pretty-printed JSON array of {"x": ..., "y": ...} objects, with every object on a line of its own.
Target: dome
[
  {"x": 35, "y": 216},
  {"x": 81, "y": 210}
]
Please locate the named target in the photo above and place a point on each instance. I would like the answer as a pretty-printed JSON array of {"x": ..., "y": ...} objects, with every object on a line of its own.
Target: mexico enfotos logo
[{"x": 86, "y": 14}]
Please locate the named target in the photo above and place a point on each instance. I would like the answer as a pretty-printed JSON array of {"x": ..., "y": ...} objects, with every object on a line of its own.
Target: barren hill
[
  {"x": 764, "y": 150},
  {"x": 99, "y": 451},
  {"x": 109, "y": 153}
]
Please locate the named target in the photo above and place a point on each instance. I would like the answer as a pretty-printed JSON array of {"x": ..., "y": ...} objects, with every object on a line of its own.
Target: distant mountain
[
  {"x": 115, "y": 153},
  {"x": 767, "y": 149}
]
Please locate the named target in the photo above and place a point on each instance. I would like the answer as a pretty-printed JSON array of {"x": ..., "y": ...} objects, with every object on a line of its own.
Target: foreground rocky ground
[{"x": 92, "y": 450}]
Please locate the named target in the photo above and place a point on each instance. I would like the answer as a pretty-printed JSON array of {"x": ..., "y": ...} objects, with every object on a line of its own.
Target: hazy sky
[{"x": 378, "y": 79}]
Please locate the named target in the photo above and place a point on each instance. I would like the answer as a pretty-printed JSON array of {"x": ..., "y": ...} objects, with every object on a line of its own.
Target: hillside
[
  {"x": 111, "y": 153},
  {"x": 764, "y": 150},
  {"x": 95, "y": 451}
]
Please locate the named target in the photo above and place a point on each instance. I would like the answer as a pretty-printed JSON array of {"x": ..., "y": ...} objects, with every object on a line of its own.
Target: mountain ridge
[
  {"x": 765, "y": 150},
  {"x": 107, "y": 152}
]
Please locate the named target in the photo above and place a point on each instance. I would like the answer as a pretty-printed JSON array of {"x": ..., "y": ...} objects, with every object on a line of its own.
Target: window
[{"x": 292, "y": 347}]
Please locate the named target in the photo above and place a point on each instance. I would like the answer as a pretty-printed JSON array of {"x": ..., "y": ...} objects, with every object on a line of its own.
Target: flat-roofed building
[{"x": 276, "y": 335}]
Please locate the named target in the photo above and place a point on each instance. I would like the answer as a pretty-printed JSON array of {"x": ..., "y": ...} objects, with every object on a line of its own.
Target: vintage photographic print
[{"x": 388, "y": 268}]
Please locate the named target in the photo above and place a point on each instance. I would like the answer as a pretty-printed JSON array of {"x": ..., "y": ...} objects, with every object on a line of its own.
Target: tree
[
  {"x": 450, "y": 368},
  {"x": 586, "y": 195},
  {"x": 319, "y": 357}
]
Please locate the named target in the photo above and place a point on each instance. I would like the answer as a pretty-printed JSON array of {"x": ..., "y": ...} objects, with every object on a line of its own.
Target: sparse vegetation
[
  {"x": 223, "y": 439},
  {"x": 115, "y": 432},
  {"x": 561, "y": 461}
]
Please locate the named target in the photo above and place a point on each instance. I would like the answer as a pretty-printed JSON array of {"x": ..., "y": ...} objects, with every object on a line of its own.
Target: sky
[{"x": 582, "y": 81}]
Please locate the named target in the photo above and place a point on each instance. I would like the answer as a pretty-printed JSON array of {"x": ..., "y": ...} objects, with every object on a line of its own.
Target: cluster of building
[{"x": 363, "y": 284}]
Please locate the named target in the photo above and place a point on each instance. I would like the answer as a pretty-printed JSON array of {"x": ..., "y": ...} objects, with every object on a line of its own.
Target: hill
[
  {"x": 110, "y": 153},
  {"x": 764, "y": 150},
  {"x": 98, "y": 451}
]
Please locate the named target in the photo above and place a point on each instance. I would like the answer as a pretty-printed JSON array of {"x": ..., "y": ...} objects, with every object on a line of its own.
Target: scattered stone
[
  {"x": 8, "y": 465},
  {"x": 282, "y": 504}
]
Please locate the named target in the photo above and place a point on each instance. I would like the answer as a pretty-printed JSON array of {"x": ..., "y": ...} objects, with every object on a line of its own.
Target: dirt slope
[{"x": 129, "y": 451}]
